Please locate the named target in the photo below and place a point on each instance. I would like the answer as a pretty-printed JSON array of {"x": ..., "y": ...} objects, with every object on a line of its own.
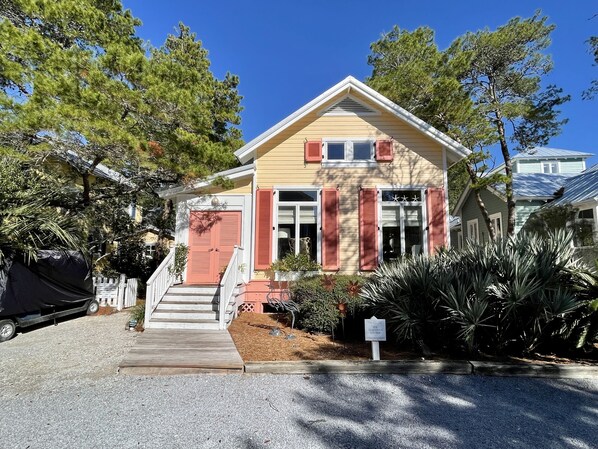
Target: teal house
[{"x": 537, "y": 175}]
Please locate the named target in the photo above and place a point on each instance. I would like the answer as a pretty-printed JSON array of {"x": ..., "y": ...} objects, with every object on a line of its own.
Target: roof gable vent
[{"x": 349, "y": 106}]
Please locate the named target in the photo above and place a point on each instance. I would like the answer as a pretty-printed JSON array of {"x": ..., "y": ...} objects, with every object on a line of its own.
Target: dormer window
[
  {"x": 348, "y": 151},
  {"x": 550, "y": 167}
]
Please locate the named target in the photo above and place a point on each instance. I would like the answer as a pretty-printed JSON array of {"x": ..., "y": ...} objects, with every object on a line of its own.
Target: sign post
[{"x": 375, "y": 331}]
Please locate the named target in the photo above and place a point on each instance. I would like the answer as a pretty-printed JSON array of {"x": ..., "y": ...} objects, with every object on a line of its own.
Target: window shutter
[
  {"x": 330, "y": 230},
  {"x": 313, "y": 151},
  {"x": 263, "y": 228},
  {"x": 368, "y": 229},
  {"x": 384, "y": 151},
  {"x": 436, "y": 218}
]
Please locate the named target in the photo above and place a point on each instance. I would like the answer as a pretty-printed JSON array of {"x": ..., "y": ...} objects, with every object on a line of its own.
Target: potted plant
[{"x": 294, "y": 266}]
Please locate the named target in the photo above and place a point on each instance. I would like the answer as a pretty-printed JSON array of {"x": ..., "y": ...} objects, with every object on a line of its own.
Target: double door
[{"x": 212, "y": 238}]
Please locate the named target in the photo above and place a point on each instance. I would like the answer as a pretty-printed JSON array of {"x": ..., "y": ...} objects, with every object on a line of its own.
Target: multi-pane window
[
  {"x": 473, "y": 233},
  {"x": 550, "y": 167},
  {"x": 297, "y": 223},
  {"x": 349, "y": 150},
  {"x": 402, "y": 223},
  {"x": 496, "y": 220},
  {"x": 149, "y": 250},
  {"x": 585, "y": 228}
]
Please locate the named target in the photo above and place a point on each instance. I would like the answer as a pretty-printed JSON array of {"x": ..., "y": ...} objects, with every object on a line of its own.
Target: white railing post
[
  {"x": 157, "y": 285},
  {"x": 230, "y": 279}
]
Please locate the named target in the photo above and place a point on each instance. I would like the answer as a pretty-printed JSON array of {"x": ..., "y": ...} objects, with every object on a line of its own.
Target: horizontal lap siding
[{"x": 417, "y": 161}]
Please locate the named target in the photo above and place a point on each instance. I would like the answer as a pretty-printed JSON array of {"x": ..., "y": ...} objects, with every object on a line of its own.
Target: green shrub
[
  {"x": 138, "y": 312},
  {"x": 295, "y": 262},
  {"x": 509, "y": 297},
  {"x": 318, "y": 300}
]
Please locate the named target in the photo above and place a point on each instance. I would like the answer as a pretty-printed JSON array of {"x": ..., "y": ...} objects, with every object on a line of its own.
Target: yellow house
[{"x": 350, "y": 179}]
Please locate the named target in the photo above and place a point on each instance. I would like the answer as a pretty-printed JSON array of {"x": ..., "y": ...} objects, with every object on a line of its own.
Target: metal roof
[
  {"x": 579, "y": 188},
  {"x": 545, "y": 152},
  {"x": 535, "y": 185}
]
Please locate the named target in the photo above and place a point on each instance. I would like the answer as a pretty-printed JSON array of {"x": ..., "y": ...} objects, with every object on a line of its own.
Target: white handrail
[
  {"x": 230, "y": 279},
  {"x": 157, "y": 285}
]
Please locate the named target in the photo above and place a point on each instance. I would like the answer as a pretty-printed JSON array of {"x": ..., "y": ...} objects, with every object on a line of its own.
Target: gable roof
[
  {"x": 455, "y": 151},
  {"x": 579, "y": 189}
]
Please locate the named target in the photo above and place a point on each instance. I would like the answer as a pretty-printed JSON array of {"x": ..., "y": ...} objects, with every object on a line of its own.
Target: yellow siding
[
  {"x": 241, "y": 186},
  {"x": 417, "y": 162}
]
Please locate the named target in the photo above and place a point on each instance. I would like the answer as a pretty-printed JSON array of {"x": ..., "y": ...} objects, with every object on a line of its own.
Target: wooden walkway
[{"x": 177, "y": 351}]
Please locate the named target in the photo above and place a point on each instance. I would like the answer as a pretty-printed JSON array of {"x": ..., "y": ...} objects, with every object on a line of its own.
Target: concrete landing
[{"x": 182, "y": 351}]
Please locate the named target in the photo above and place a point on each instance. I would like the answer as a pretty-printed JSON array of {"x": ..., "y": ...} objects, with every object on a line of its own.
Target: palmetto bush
[{"x": 509, "y": 297}]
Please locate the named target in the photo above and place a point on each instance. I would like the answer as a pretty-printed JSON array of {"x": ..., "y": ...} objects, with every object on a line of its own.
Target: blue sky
[{"x": 286, "y": 53}]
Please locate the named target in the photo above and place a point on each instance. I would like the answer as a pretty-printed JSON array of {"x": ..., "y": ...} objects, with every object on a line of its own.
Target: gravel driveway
[
  {"x": 59, "y": 389},
  {"x": 77, "y": 351}
]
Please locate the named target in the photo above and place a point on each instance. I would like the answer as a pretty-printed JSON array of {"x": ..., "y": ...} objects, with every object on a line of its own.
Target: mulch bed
[{"x": 251, "y": 334}]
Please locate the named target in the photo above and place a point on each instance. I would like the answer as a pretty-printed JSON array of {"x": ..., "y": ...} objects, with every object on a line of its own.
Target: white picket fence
[{"x": 119, "y": 293}]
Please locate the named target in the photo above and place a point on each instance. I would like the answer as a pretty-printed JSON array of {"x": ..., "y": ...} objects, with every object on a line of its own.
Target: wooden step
[
  {"x": 182, "y": 305},
  {"x": 165, "y": 351},
  {"x": 184, "y": 314},
  {"x": 191, "y": 298},
  {"x": 178, "y": 323},
  {"x": 193, "y": 289}
]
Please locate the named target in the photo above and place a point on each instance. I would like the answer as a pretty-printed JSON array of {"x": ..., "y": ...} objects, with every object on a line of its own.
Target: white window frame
[
  {"x": 277, "y": 189},
  {"x": 459, "y": 239},
  {"x": 593, "y": 220},
  {"x": 470, "y": 223},
  {"x": 422, "y": 203},
  {"x": 550, "y": 164},
  {"x": 493, "y": 218},
  {"x": 149, "y": 250},
  {"x": 348, "y": 159}
]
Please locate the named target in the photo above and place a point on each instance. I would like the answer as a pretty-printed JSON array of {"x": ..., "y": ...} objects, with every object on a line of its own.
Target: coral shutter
[
  {"x": 436, "y": 218},
  {"x": 384, "y": 150},
  {"x": 330, "y": 230},
  {"x": 263, "y": 228},
  {"x": 368, "y": 229},
  {"x": 313, "y": 150}
]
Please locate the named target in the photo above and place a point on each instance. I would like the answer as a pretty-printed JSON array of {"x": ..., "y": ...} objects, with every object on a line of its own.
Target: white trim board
[{"x": 234, "y": 173}]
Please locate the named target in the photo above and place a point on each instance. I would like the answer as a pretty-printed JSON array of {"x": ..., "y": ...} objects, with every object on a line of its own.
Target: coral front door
[{"x": 212, "y": 238}]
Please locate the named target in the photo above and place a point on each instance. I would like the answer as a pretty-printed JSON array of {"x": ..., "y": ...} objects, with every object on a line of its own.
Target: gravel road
[{"x": 97, "y": 408}]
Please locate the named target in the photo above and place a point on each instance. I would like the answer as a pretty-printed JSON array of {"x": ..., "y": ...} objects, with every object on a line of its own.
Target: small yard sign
[{"x": 375, "y": 331}]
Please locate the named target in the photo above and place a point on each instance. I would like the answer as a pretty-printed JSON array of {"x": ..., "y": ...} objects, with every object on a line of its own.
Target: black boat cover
[{"x": 55, "y": 279}]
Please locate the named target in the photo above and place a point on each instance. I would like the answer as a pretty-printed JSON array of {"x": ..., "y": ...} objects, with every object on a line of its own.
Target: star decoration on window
[
  {"x": 415, "y": 198},
  {"x": 404, "y": 198},
  {"x": 396, "y": 198}
]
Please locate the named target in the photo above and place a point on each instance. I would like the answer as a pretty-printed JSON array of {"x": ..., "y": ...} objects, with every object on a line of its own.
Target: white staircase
[{"x": 189, "y": 307}]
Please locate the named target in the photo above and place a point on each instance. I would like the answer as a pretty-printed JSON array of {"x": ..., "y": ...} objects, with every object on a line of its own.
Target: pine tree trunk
[
  {"x": 509, "y": 174},
  {"x": 480, "y": 202}
]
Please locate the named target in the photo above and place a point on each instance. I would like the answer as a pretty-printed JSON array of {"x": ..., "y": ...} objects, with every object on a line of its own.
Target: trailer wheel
[
  {"x": 7, "y": 330},
  {"x": 93, "y": 307}
]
